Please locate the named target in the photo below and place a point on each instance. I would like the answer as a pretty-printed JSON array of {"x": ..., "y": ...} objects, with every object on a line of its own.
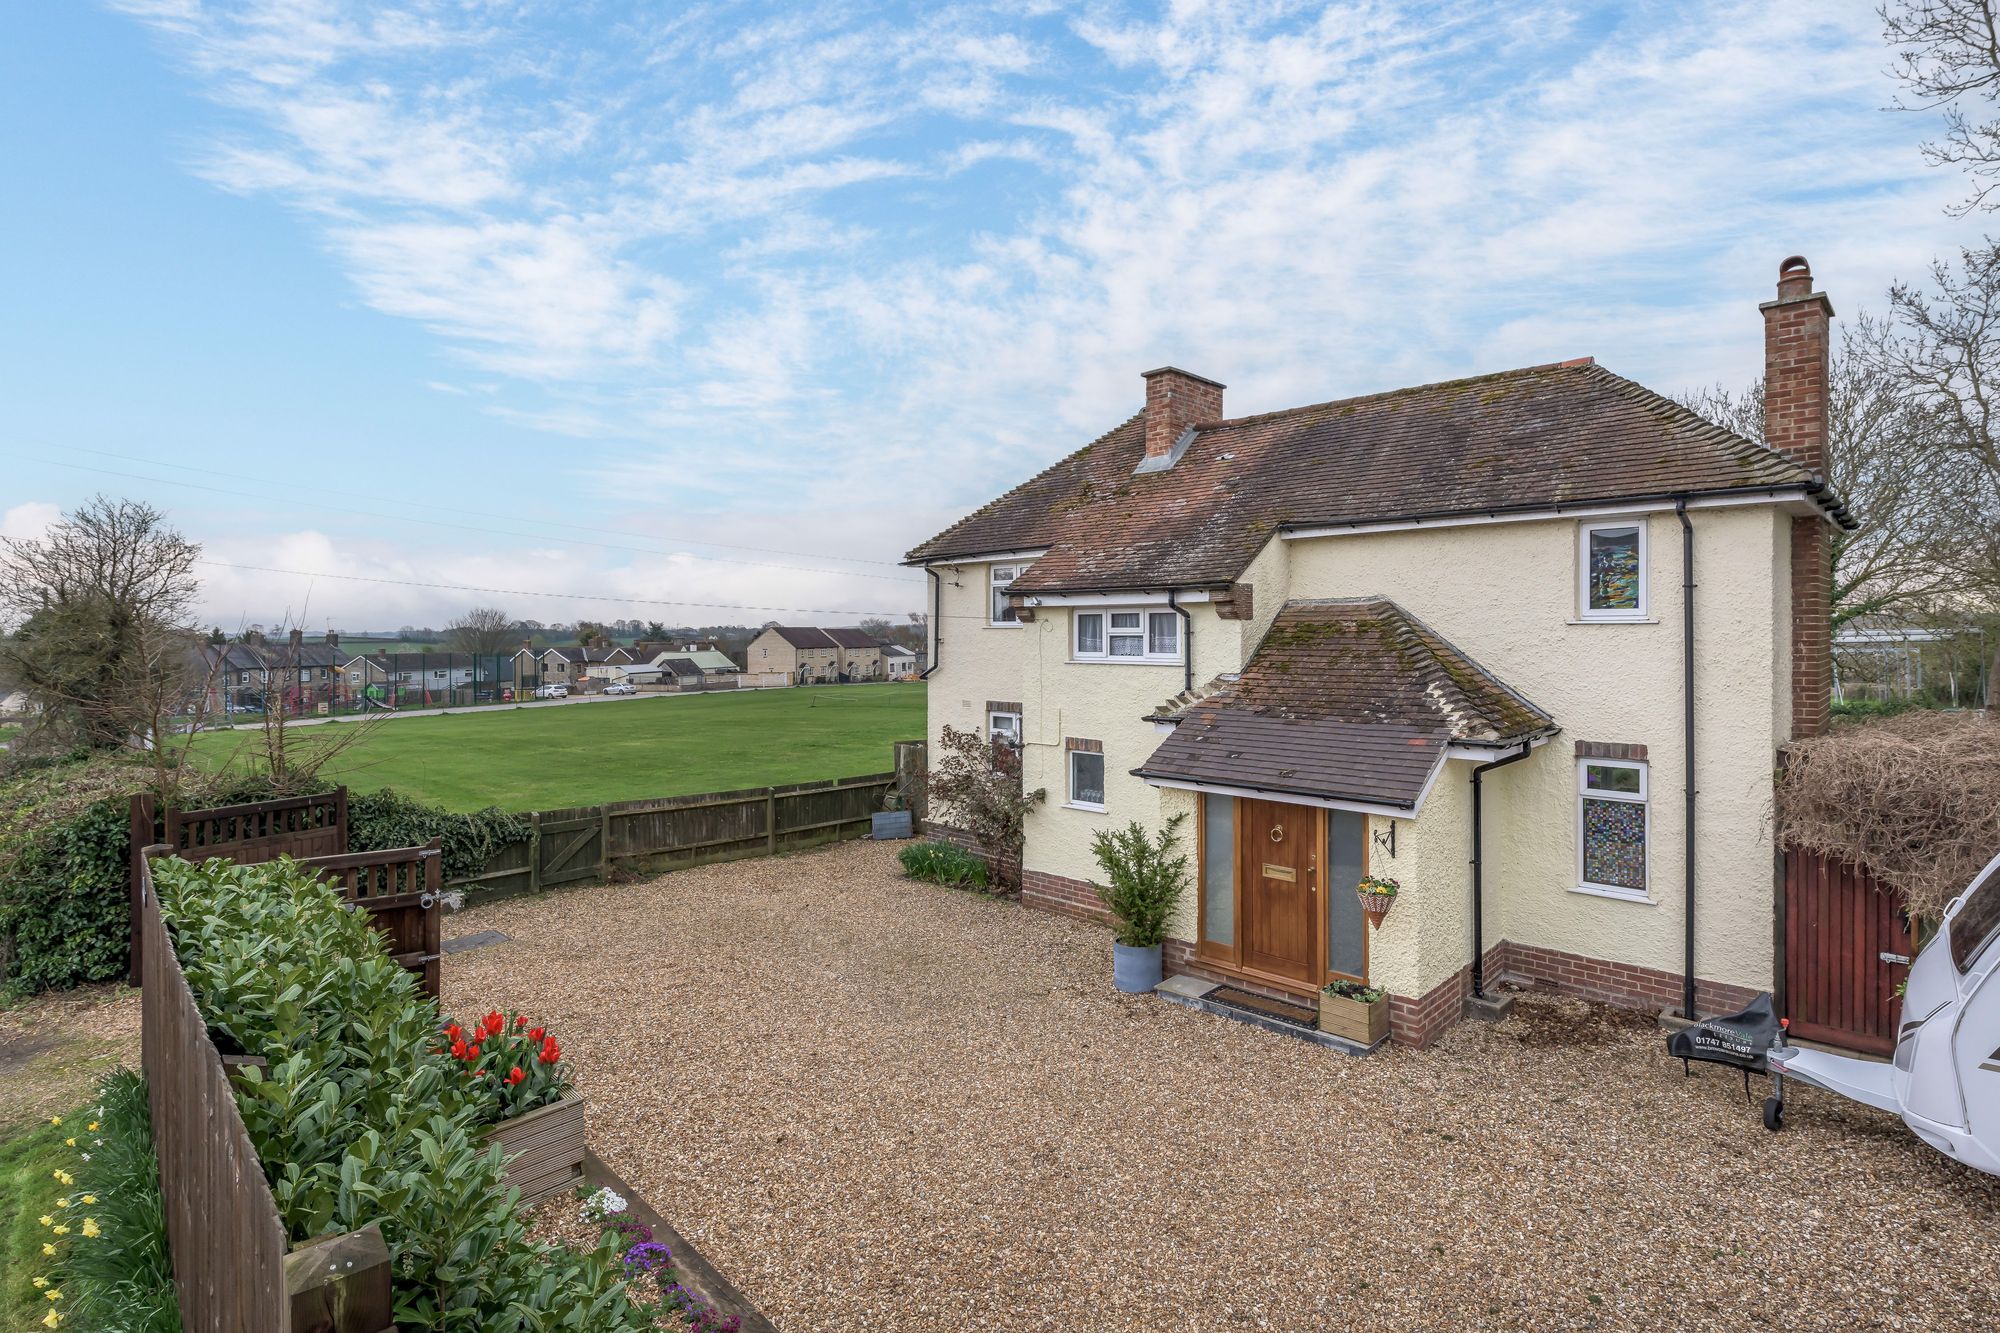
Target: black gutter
[
  {"x": 1187, "y": 643},
  {"x": 1478, "y": 899},
  {"x": 1687, "y": 743},
  {"x": 937, "y": 622}
]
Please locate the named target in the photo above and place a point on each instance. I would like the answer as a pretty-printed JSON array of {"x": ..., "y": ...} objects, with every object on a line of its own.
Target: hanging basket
[{"x": 1376, "y": 905}]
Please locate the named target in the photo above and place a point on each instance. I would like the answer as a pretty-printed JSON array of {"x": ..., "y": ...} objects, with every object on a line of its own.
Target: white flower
[{"x": 604, "y": 1203}]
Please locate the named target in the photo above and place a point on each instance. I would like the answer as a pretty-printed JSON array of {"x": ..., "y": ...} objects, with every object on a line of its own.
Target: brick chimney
[
  {"x": 333, "y": 638},
  {"x": 1176, "y": 400},
  {"x": 1797, "y": 348}
]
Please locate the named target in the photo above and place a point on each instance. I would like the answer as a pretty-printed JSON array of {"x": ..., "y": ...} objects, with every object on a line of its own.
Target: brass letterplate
[{"x": 1285, "y": 873}]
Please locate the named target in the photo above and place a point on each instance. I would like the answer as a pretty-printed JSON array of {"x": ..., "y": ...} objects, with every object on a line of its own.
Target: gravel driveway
[{"x": 883, "y": 1105}]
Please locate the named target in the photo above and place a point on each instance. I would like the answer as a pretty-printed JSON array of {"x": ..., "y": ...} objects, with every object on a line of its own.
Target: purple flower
[{"x": 646, "y": 1257}]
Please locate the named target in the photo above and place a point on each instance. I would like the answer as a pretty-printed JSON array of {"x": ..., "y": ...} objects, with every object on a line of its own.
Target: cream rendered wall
[{"x": 1506, "y": 595}]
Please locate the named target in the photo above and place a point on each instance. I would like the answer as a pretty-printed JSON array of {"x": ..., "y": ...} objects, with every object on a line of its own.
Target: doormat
[{"x": 1254, "y": 1003}]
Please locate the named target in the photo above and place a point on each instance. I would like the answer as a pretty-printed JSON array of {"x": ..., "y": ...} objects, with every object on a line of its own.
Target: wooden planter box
[
  {"x": 1362, "y": 1023},
  {"x": 544, "y": 1149}
]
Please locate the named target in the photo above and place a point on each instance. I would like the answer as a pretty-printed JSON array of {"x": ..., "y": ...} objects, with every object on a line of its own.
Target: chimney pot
[{"x": 1175, "y": 401}]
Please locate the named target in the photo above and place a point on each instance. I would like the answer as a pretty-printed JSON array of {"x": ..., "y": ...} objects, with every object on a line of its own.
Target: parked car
[
  {"x": 621, "y": 687},
  {"x": 552, "y": 691}
]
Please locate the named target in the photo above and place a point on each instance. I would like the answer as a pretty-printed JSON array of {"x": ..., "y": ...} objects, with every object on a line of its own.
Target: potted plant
[
  {"x": 1148, "y": 877},
  {"x": 537, "y": 1117},
  {"x": 1354, "y": 1010},
  {"x": 1377, "y": 896}
]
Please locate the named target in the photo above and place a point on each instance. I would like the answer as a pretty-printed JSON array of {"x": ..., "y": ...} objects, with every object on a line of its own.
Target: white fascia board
[
  {"x": 1774, "y": 496},
  {"x": 1320, "y": 803},
  {"x": 987, "y": 558},
  {"x": 1111, "y": 599},
  {"x": 1480, "y": 752}
]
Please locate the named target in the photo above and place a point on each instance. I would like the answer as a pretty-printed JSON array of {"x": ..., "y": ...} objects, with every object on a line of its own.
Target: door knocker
[{"x": 1277, "y": 833}]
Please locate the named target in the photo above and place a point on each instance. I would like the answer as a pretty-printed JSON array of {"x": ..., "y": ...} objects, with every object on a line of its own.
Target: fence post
[
  {"x": 340, "y": 815},
  {"x": 340, "y": 1284},
  {"x": 604, "y": 843},
  {"x": 770, "y": 821},
  {"x": 534, "y": 851},
  {"x": 139, "y": 827}
]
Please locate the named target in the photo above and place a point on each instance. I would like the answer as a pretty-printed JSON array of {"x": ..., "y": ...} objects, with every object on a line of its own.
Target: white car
[
  {"x": 621, "y": 687},
  {"x": 552, "y": 692}
]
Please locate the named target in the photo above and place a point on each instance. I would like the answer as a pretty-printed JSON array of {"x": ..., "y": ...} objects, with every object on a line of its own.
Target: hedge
[{"x": 359, "y": 1117}]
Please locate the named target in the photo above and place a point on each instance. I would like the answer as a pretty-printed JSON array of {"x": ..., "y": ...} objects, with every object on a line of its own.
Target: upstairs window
[
  {"x": 1003, "y": 612},
  {"x": 1004, "y": 726},
  {"x": 1127, "y": 636},
  {"x": 1612, "y": 566}
]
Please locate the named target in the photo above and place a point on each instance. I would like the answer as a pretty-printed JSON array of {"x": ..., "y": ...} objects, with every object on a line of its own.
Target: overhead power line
[
  {"x": 558, "y": 596},
  {"x": 463, "y": 527}
]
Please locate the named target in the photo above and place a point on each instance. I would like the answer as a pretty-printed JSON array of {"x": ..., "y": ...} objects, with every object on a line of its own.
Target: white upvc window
[
  {"x": 1004, "y": 727},
  {"x": 1086, "y": 779},
  {"x": 1002, "y": 612},
  {"x": 1612, "y": 828},
  {"x": 1611, "y": 570},
  {"x": 1129, "y": 634}
]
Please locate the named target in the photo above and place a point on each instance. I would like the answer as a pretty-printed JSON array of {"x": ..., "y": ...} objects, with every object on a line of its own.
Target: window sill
[
  {"x": 1616, "y": 895},
  {"x": 1005, "y": 624},
  {"x": 1126, "y": 661},
  {"x": 1613, "y": 620},
  {"x": 1086, "y": 807}
]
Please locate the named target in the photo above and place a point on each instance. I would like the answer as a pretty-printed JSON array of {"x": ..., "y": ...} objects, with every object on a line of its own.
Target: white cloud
[{"x": 27, "y": 522}]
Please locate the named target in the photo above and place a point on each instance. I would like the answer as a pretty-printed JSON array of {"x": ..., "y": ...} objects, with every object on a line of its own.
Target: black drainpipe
[
  {"x": 937, "y": 623},
  {"x": 1687, "y": 744},
  {"x": 1478, "y": 903},
  {"x": 1187, "y": 643}
]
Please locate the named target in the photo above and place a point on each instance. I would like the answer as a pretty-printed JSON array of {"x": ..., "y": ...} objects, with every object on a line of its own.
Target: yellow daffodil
[
  {"x": 54, "y": 1293},
  {"x": 55, "y": 1120},
  {"x": 92, "y": 1126},
  {"x": 51, "y": 1320},
  {"x": 62, "y": 1203},
  {"x": 90, "y": 1198},
  {"x": 48, "y": 1249},
  {"x": 41, "y": 1282},
  {"x": 62, "y": 1231},
  {"x": 90, "y": 1227},
  {"x": 69, "y": 1143},
  {"x": 46, "y": 1220}
]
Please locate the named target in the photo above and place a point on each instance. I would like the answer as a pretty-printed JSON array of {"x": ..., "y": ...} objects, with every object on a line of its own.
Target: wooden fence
[
  {"x": 401, "y": 888},
  {"x": 1847, "y": 948},
  {"x": 233, "y": 1271},
  {"x": 585, "y": 842}
]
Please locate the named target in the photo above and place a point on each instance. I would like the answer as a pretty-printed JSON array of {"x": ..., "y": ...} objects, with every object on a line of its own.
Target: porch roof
[{"x": 1350, "y": 700}]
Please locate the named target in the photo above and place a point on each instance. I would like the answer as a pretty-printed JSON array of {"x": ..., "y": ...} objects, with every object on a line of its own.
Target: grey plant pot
[{"x": 1134, "y": 967}]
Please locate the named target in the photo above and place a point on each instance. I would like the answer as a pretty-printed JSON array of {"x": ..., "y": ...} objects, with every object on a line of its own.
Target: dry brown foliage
[{"x": 1914, "y": 800}]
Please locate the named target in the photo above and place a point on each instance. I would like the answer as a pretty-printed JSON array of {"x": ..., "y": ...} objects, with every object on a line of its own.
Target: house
[
  {"x": 805, "y": 654},
  {"x": 240, "y": 677},
  {"x": 1519, "y": 642},
  {"x": 860, "y": 654},
  {"x": 898, "y": 662},
  {"x": 427, "y": 680},
  {"x": 705, "y": 653}
]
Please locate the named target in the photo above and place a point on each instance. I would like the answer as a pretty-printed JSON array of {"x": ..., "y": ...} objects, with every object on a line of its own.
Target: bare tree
[
  {"x": 1885, "y": 460},
  {"x": 484, "y": 631},
  {"x": 1948, "y": 60},
  {"x": 98, "y": 600}
]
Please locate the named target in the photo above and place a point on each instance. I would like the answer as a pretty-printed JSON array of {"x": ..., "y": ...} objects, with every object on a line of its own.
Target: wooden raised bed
[{"x": 544, "y": 1149}]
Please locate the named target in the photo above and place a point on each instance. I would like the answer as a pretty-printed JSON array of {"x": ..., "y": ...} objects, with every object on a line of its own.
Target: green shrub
[
  {"x": 942, "y": 863},
  {"x": 359, "y": 1116},
  {"x": 122, "y": 1279},
  {"x": 1147, "y": 878},
  {"x": 65, "y": 914},
  {"x": 382, "y": 819}
]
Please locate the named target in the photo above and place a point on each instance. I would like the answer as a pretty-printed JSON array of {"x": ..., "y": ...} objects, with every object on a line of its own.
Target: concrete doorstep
[{"x": 1192, "y": 993}]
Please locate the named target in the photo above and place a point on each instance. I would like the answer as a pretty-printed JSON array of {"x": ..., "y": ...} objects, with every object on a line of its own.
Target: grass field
[{"x": 582, "y": 754}]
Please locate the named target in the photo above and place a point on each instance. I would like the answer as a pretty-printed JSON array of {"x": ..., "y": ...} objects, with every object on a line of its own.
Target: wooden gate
[
  {"x": 570, "y": 846},
  {"x": 401, "y": 890},
  {"x": 1847, "y": 948}
]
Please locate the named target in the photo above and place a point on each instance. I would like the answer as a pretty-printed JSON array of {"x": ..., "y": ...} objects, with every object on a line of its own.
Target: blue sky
[{"x": 718, "y": 307}]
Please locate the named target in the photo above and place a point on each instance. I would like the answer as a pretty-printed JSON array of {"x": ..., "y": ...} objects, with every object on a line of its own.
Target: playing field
[{"x": 547, "y": 757}]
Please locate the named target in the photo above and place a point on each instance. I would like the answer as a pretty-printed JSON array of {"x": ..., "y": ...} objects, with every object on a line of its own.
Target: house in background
[
  {"x": 898, "y": 662},
  {"x": 428, "y": 680},
  {"x": 860, "y": 654},
  {"x": 1435, "y": 635},
  {"x": 809, "y": 655},
  {"x": 300, "y": 675}
]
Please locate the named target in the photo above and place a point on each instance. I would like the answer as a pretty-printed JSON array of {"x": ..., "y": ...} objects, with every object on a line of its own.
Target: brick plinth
[
  {"x": 1070, "y": 897},
  {"x": 1004, "y": 868},
  {"x": 1623, "y": 984}
]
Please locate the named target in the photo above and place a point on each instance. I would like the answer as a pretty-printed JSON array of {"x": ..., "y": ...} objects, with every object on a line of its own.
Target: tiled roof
[
  {"x": 804, "y": 636},
  {"x": 853, "y": 638},
  {"x": 1540, "y": 437},
  {"x": 1347, "y": 699}
]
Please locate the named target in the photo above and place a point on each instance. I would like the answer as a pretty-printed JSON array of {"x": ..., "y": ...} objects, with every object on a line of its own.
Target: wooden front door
[{"x": 1278, "y": 868}]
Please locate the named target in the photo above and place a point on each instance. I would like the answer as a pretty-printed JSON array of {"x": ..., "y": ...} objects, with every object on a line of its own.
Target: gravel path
[{"x": 883, "y": 1105}]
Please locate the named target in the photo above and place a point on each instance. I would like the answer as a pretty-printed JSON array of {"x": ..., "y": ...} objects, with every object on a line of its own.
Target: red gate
[{"x": 1847, "y": 948}]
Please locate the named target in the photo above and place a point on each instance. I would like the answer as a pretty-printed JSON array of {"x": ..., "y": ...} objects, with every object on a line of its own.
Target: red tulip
[
  {"x": 534, "y": 1034},
  {"x": 520, "y": 1021},
  {"x": 515, "y": 1075},
  {"x": 494, "y": 1022},
  {"x": 472, "y": 1051},
  {"x": 458, "y": 1049},
  {"x": 454, "y": 1031},
  {"x": 550, "y": 1053}
]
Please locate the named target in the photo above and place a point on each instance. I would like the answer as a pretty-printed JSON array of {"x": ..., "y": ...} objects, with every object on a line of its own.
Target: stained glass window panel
[
  {"x": 1614, "y": 569},
  {"x": 1614, "y": 844},
  {"x": 1611, "y": 777}
]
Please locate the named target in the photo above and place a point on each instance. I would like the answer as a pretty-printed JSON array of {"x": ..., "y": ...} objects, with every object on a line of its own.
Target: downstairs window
[{"x": 1611, "y": 816}]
